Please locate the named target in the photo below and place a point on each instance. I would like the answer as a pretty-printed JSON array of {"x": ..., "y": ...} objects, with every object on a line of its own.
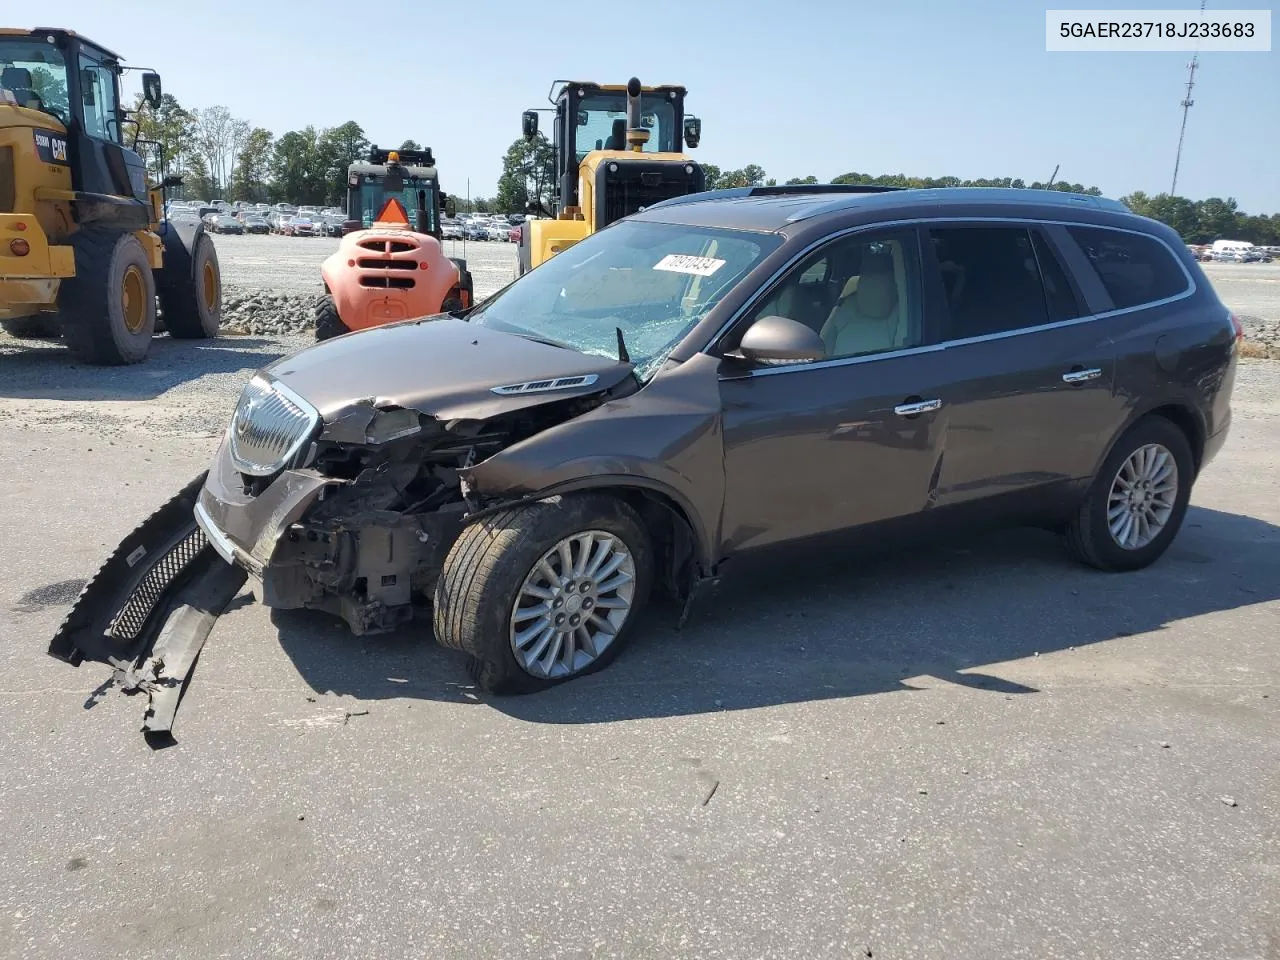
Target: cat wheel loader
[
  {"x": 616, "y": 152},
  {"x": 85, "y": 249}
]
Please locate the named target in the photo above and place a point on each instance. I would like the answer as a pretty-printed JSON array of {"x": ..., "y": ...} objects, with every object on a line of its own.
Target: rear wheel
[
  {"x": 1137, "y": 501},
  {"x": 42, "y": 327},
  {"x": 108, "y": 309},
  {"x": 191, "y": 289},
  {"x": 328, "y": 323},
  {"x": 544, "y": 593}
]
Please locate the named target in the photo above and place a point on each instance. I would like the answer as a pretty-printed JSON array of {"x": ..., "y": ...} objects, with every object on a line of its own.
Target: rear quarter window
[{"x": 1134, "y": 268}]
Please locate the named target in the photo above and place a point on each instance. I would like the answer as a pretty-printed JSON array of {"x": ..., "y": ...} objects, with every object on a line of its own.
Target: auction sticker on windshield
[{"x": 683, "y": 263}]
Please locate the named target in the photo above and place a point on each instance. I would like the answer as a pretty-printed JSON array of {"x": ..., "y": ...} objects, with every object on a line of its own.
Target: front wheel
[
  {"x": 1137, "y": 501},
  {"x": 544, "y": 593},
  {"x": 328, "y": 323}
]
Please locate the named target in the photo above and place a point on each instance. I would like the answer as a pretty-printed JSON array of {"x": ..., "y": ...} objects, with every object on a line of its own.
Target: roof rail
[{"x": 785, "y": 190}]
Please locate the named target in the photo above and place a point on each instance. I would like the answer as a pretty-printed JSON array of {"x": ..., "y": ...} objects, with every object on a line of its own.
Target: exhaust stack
[{"x": 637, "y": 136}]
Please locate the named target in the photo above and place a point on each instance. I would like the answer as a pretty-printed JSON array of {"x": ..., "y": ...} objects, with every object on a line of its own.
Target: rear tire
[
  {"x": 328, "y": 323},
  {"x": 108, "y": 309},
  {"x": 191, "y": 290},
  {"x": 1089, "y": 535},
  {"x": 33, "y": 328},
  {"x": 482, "y": 579}
]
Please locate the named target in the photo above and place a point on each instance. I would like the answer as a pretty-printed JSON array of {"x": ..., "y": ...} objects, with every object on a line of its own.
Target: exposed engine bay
[{"x": 372, "y": 543}]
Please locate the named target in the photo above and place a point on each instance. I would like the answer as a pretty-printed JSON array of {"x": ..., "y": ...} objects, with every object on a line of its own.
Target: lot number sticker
[{"x": 682, "y": 263}]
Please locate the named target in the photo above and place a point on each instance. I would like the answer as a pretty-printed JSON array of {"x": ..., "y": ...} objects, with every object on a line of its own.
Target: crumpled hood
[{"x": 440, "y": 366}]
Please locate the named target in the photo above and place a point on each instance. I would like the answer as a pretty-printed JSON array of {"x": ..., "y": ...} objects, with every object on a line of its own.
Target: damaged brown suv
[{"x": 730, "y": 371}]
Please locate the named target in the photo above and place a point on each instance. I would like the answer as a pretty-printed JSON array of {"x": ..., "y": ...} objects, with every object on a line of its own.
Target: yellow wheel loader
[
  {"x": 617, "y": 151},
  {"x": 85, "y": 250}
]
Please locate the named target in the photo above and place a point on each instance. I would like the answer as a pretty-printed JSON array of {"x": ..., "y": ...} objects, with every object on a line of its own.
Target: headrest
[
  {"x": 16, "y": 78},
  {"x": 877, "y": 291}
]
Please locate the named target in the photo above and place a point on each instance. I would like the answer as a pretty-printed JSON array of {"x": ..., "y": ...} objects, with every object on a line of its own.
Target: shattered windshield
[{"x": 652, "y": 281}]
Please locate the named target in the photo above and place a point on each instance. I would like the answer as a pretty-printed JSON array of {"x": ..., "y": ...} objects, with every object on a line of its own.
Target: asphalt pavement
[{"x": 971, "y": 751}]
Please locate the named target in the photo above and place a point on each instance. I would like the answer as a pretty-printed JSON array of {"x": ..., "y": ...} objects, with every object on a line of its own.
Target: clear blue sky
[{"x": 927, "y": 87}]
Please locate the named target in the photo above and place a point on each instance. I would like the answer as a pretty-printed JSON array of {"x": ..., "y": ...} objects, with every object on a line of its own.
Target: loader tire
[
  {"x": 190, "y": 288},
  {"x": 328, "y": 323},
  {"x": 108, "y": 309},
  {"x": 33, "y": 328}
]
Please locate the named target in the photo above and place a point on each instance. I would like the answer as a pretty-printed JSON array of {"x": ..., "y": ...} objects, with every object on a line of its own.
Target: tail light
[{"x": 1235, "y": 326}]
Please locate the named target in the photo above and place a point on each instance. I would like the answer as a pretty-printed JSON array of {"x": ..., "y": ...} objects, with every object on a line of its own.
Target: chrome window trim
[{"x": 758, "y": 296}]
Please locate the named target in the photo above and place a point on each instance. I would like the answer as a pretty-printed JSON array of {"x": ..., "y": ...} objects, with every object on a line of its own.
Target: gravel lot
[{"x": 972, "y": 753}]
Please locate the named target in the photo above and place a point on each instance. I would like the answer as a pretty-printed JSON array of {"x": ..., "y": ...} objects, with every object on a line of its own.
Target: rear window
[{"x": 1134, "y": 268}]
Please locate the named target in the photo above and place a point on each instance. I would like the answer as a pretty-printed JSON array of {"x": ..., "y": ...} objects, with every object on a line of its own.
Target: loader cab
[
  {"x": 408, "y": 175},
  {"x": 77, "y": 82},
  {"x": 592, "y": 117}
]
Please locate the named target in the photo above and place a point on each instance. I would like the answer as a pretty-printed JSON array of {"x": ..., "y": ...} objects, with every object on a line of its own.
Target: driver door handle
[
  {"x": 1080, "y": 376},
  {"x": 916, "y": 408}
]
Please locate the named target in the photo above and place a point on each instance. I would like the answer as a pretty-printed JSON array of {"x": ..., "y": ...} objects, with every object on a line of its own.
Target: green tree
[
  {"x": 711, "y": 173},
  {"x": 196, "y": 182},
  {"x": 249, "y": 179},
  {"x": 169, "y": 125},
  {"x": 528, "y": 177},
  {"x": 336, "y": 149},
  {"x": 802, "y": 181},
  {"x": 295, "y": 173},
  {"x": 752, "y": 175},
  {"x": 411, "y": 145},
  {"x": 1216, "y": 219}
]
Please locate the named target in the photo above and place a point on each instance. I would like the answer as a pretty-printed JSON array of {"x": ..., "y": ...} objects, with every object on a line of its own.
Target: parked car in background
[
  {"x": 498, "y": 231},
  {"x": 333, "y": 223},
  {"x": 476, "y": 231},
  {"x": 451, "y": 230},
  {"x": 300, "y": 226},
  {"x": 225, "y": 222},
  {"x": 253, "y": 223},
  {"x": 513, "y": 235}
]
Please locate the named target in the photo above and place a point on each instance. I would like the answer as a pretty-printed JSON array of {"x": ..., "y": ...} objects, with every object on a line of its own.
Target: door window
[
  {"x": 98, "y": 99},
  {"x": 991, "y": 279},
  {"x": 859, "y": 293}
]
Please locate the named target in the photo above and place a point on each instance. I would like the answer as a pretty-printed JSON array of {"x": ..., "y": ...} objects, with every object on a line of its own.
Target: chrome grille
[{"x": 269, "y": 428}]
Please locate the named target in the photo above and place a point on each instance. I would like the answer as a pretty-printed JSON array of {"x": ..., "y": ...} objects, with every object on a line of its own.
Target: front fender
[{"x": 666, "y": 438}]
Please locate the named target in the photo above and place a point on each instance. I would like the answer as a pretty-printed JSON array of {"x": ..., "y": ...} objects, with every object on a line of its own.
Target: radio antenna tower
[{"x": 1187, "y": 104}]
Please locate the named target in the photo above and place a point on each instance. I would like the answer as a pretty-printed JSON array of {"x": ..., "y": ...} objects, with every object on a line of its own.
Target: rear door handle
[
  {"x": 1080, "y": 376},
  {"x": 920, "y": 406}
]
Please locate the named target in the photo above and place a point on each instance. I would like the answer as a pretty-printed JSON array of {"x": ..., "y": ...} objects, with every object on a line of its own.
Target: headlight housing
[{"x": 270, "y": 427}]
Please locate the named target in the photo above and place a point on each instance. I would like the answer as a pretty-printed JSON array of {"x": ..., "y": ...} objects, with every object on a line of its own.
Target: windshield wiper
[{"x": 623, "y": 356}]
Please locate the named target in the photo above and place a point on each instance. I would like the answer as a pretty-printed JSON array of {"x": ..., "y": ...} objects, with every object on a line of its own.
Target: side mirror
[
  {"x": 450, "y": 207},
  {"x": 692, "y": 131},
  {"x": 151, "y": 89},
  {"x": 529, "y": 124},
  {"x": 775, "y": 339}
]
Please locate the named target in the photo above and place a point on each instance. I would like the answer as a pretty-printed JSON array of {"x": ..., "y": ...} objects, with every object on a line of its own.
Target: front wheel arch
[{"x": 642, "y": 494}]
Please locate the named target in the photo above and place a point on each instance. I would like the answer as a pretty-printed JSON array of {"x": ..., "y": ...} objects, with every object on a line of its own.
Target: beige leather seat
[{"x": 870, "y": 319}]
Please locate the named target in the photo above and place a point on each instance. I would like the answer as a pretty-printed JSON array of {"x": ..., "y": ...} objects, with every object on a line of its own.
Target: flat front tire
[
  {"x": 1136, "y": 503},
  {"x": 543, "y": 593}
]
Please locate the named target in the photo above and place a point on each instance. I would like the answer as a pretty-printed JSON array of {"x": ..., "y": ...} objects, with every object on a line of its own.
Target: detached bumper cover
[{"x": 149, "y": 610}]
